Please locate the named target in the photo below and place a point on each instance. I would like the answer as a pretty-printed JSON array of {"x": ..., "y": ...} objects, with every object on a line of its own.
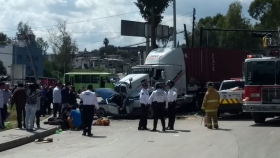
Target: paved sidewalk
[{"x": 16, "y": 137}]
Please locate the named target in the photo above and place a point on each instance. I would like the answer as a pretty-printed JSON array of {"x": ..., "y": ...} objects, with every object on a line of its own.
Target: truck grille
[{"x": 269, "y": 94}]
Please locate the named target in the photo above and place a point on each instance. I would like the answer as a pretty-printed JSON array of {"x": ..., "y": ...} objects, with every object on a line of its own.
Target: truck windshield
[
  {"x": 229, "y": 85},
  {"x": 260, "y": 73},
  {"x": 149, "y": 71}
]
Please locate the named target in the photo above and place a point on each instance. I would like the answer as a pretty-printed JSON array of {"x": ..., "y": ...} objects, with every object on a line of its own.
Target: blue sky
[{"x": 83, "y": 14}]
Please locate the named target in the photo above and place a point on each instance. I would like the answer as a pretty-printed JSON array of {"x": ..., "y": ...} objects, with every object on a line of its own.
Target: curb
[{"x": 27, "y": 139}]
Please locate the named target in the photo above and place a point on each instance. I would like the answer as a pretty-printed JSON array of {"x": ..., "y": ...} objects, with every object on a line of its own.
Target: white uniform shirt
[
  {"x": 144, "y": 96},
  {"x": 1, "y": 98},
  {"x": 172, "y": 94},
  {"x": 159, "y": 96},
  {"x": 89, "y": 98}
]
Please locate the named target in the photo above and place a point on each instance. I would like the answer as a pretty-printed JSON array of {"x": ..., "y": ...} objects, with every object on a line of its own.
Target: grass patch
[{"x": 11, "y": 122}]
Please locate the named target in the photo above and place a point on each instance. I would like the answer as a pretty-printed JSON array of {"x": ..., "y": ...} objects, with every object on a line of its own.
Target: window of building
[
  {"x": 86, "y": 79},
  {"x": 27, "y": 58},
  {"x": 78, "y": 78},
  {"x": 95, "y": 78}
]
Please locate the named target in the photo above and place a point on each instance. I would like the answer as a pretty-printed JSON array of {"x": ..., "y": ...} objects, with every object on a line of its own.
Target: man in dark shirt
[
  {"x": 49, "y": 97},
  {"x": 73, "y": 96},
  {"x": 65, "y": 98},
  {"x": 19, "y": 99}
]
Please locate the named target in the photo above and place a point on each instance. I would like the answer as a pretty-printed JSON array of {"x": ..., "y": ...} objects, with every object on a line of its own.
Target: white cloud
[{"x": 86, "y": 22}]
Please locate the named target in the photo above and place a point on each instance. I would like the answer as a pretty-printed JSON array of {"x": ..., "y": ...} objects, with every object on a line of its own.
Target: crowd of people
[{"x": 32, "y": 101}]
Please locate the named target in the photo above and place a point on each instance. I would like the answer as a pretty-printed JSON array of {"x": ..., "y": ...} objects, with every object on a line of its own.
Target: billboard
[{"x": 141, "y": 29}]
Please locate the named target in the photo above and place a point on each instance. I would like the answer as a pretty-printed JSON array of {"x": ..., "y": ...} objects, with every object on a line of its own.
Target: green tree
[
  {"x": 106, "y": 42},
  {"x": 235, "y": 20},
  {"x": 3, "y": 70},
  {"x": 109, "y": 50},
  {"x": 24, "y": 28},
  {"x": 63, "y": 46},
  {"x": 267, "y": 12},
  {"x": 42, "y": 45},
  {"x": 146, "y": 8},
  {"x": 3, "y": 39}
]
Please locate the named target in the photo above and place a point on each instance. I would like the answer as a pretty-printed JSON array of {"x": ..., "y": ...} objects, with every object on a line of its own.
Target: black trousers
[
  {"x": 38, "y": 114},
  {"x": 20, "y": 112},
  {"x": 56, "y": 108},
  {"x": 144, "y": 116},
  {"x": 48, "y": 107},
  {"x": 4, "y": 113},
  {"x": 171, "y": 114},
  {"x": 87, "y": 118},
  {"x": 159, "y": 111}
]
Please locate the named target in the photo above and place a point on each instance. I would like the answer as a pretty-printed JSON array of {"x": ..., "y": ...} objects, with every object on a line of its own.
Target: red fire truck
[{"x": 262, "y": 85}]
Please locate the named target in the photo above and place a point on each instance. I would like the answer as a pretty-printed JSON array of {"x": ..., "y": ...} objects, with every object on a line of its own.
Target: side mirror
[{"x": 162, "y": 74}]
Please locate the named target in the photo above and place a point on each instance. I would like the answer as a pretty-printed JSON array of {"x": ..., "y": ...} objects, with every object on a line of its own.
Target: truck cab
[{"x": 262, "y": 87}]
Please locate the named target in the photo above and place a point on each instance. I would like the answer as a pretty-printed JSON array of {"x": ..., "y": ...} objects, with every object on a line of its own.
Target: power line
[
  {"x": 100, "y": 18},
  {"x": 97, "y": 41},
  {"x": 178, "y": 17}
]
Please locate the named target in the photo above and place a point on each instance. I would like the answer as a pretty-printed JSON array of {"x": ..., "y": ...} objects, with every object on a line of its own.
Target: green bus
[{"x": 97, "y": 79}]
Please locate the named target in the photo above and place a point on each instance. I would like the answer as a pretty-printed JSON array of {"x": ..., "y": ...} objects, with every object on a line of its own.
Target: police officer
[
  {"x": 159, "y": 102},
  {"x": 210, "y": 105},
  {"x": 171, "y": 98},
  {"x": 89, "y": 101},
  {"x": 144, "y": 100}
]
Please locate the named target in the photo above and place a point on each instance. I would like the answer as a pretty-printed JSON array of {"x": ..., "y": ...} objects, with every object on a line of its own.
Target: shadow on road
[
  {"x": 222, "y": 129},
  {"x": 169, "y": 132},
  {"x": 270, "y": 123},
  {"x": 240, "y": 117},
  {"x": 183, "y": 130},
  {"x": 98, "y": 137}
]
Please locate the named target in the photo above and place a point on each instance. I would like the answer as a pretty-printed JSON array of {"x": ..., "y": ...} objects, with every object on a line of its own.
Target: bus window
[
  {"x": 86, "y": 78},
  {"x": 66, "y": 78},
  {"x": 78, "y": 78},
  {"x": 95, "y": 78}
]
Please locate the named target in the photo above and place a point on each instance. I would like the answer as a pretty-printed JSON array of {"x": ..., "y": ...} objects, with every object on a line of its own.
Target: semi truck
[{"x": 188, "y": 67}]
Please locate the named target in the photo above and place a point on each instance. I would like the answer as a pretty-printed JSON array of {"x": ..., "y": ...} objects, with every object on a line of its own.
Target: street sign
[{"x": 141, "y": 29}]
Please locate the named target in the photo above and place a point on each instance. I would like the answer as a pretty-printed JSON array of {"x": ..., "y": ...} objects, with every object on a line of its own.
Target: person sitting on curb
[{"x": 74, "y": 119}]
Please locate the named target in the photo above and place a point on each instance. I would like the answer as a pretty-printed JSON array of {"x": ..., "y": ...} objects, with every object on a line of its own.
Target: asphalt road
[{"x": 237, "y": 138}]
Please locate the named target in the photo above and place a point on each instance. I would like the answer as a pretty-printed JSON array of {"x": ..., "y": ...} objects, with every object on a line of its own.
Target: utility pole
[
  {"x": 174, "y": 24},
  {"x": 153, "y": 27},
  {"x": 194, "y": 11},
  {"x": 186, "y": 36},
  {"x": 31, "y": 58}
]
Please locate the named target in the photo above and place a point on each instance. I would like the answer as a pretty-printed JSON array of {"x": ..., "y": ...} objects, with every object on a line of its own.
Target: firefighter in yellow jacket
[{"x": 210, "y": 105}]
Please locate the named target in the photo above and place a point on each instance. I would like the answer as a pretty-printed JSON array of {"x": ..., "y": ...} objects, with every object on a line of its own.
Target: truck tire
[{"x": 258, "y": 117}]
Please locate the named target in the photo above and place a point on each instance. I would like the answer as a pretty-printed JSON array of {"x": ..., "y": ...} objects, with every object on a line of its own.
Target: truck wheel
[
  {"x": 101, "y": 113},
  {"x": 150, "y": 113},
  {"x": 258, "y": 117}
]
